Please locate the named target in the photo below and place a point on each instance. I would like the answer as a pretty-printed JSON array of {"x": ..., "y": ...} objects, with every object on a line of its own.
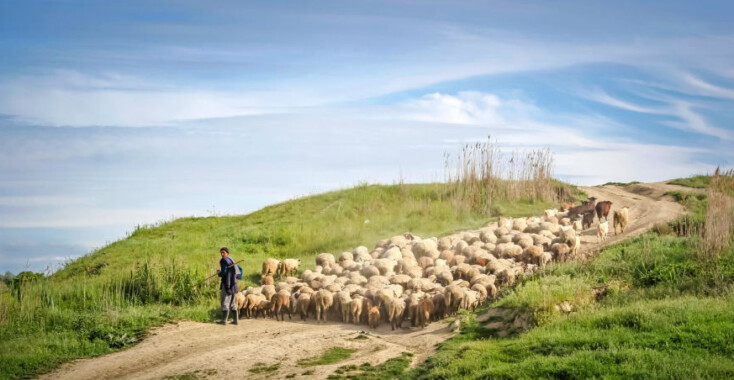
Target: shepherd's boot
[
  {"x": 225, "y": 316},
  {"x": 236, "y": 317}
]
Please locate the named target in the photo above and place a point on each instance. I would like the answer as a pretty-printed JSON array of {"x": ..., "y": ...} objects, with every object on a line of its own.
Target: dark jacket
[{"x": 228, "y": 274}]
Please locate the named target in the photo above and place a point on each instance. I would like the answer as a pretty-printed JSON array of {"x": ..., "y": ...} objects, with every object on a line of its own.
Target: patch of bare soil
[
  {"x": 216, "y": 351},
  {"x": 207, "y": 350}
]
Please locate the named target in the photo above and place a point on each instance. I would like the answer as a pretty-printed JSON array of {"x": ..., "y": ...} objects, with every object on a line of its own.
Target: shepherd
[{"x": 228, "y": 287}]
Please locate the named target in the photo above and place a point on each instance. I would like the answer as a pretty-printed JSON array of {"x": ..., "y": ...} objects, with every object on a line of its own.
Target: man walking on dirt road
[{"x": 228, "y": 286}]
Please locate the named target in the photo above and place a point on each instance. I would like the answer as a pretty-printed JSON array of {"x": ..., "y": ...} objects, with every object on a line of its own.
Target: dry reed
[
  {"x": 481, "y": 173},
  {"x": 719, "y": 223}
]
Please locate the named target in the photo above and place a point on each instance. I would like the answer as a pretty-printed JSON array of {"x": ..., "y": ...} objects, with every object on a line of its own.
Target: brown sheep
[
  {"x": 439, "y": 306},
  {"x": 396, "y": 309},
  {"x": 447, "y": 255},
  {"x": 561, "y": 251},
  {"x": 532, "y": 254},
  {"x": 267, "y": 280},
  {"x": 374, "y": 317},
  {"x": 602, "y": 210},
  {"x": 280, "y": 303},
  {"x": 263, "y": 308},
  {"x": 251, "y": 303},
  {"x": 425, "y": 309},
  {"x": 366, "y": 306},
  {"x": 482, "y": 261},
  {"x": 587, "y": 220},
  {"x": 567, "y": 206},
  {"x": 270, "y": 266}
]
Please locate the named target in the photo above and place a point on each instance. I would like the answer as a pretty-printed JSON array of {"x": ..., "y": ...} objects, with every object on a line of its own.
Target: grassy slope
[
  {"x": 108, "y": 300},
  {"x": 663, "y": 314},
  {"x": 330, "y": 222},
  {"x": 698, "y": 181}
]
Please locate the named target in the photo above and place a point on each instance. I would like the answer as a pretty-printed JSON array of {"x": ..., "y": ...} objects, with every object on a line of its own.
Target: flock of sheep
[{"x": 419, "y": 280}]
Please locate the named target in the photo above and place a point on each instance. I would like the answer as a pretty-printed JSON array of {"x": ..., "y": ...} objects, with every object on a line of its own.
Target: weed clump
[{"x": 332, "y": 355}]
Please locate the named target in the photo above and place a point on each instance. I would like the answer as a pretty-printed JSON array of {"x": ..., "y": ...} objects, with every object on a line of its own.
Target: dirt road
[{"x": 207, "y": 350}]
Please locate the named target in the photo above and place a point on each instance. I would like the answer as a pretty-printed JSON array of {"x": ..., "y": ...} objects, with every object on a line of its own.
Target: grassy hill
[
  {"x": 658, "y": 306},
  {"x": 107, "y": 300}
]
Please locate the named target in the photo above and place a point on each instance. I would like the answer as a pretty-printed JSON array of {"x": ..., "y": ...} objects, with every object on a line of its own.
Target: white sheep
[{"x": 602, "y": 231}]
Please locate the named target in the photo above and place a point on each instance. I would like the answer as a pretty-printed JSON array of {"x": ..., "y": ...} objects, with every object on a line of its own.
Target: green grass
[
  {"x": 682, "y": 338},
  {"x": 699, "y": 181},
  {"x": 621, "y": 184},
  {"x": 109, "y": 299},
  {"x": 330, "y": 356},
  {"x": 390, "y": 369},
  {"x": 261, "y": 367},
  {"x": 195, "y": 375}
]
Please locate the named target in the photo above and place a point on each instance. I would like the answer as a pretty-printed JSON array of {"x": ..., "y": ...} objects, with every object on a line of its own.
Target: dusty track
[{"x": 214, "y": 351}]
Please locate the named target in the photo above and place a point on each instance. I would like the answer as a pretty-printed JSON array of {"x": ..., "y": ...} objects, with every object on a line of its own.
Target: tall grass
[
  {"x": 481, "y": 174},
  {"x": 719, "y": 213}
]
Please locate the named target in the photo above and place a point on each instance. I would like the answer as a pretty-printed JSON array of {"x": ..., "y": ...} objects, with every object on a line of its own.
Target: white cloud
[
  {"x": 60, "y": 216},
  {"x": 71, "y": 98},
  {"x": 80, "y": 98},
  {"x": 34, "y": 201},
  {"x": 463, "y": 108},
  {"x": 313, "y": 151},
  {"x": 624, "y": 162}
]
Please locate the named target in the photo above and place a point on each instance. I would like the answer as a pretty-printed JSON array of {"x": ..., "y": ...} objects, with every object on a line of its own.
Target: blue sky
[{"x": 114, "y": 114}]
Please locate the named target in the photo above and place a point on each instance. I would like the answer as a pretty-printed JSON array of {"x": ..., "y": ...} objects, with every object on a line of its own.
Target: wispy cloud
[
  {"x": 676, "y": 107},
  {"x": 601, "y": 96},
  {"x": 71, "y": 98},
  {"x": 693, "y": 121},
  {"x": 706, "y": 88}
]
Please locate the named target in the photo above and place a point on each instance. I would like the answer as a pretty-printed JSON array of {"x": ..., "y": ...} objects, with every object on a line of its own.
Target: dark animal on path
[
  {"x": 583, "y": 208},
  {"x": 588, "y": 219},
  {"x": 602, "y": 209}
]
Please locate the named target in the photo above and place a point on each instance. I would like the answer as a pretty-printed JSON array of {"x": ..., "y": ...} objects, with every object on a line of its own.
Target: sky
[{"x": 118, "y": 114}]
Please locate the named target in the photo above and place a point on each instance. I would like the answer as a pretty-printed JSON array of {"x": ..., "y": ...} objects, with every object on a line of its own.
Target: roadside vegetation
[
  {"x": 698, "y": 181},
  {"x": 621, "y": 184},
  {"x": 109, "y": 299},
  {"x": 330, "y": 356},
  {"x": 657, "y": 306}
]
